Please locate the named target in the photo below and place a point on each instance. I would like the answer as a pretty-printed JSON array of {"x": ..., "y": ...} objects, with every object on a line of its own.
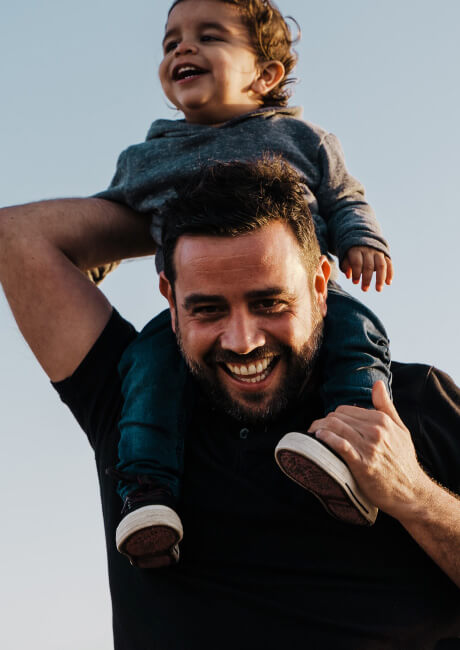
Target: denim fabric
[
  {"x": 158, "y": 393},
  {"x": 157, "y": 397},
  {"x": 355, "y": 352}
]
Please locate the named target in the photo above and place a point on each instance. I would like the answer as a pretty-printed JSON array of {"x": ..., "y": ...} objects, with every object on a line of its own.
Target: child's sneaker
[
  {"x": 149, "y": 532},
  {"x": 318, "y": 469},
  {"x": 150, "y": 529}
]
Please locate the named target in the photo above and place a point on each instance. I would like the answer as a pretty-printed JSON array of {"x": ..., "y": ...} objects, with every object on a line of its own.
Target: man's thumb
[{"x": 382, "y": 402}]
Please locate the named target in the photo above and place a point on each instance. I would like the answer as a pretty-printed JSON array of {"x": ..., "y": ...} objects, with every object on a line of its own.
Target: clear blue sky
[{"x": 78, "y": 84}]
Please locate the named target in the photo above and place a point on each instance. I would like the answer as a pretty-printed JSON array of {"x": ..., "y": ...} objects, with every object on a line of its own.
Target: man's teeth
[{"x": 252, "y": 372}]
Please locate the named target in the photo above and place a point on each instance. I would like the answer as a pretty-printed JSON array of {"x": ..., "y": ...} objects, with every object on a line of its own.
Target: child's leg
[
  {"x": 354, "y": 355},
  {"x": 152, "y": 427},
  {"x": 355, "y": 352}
]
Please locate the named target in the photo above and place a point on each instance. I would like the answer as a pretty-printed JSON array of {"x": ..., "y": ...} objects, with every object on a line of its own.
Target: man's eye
[
  {"x": 207, "y": 310},
  {"x": 269, "y": 304}
]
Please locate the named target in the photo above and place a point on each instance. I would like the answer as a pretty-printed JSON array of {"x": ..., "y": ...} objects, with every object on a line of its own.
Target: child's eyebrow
[
  {"x": 205, "y": 25},
  {"x": 220, "y": 26}
]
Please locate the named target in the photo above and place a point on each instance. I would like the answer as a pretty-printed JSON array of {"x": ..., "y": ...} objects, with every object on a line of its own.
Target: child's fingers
[
  {"x": 390, "y": 270},
  {"x": 355, "y": 257},
  {"x": 360, "y": 262},
  {"x": 380, "y": 263},
  {"x": 368, "y": 269},
  {"x": 346, "y": 268}
]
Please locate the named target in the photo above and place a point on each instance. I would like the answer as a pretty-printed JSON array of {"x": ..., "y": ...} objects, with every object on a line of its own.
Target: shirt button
[{"x": 244, "y": 434}]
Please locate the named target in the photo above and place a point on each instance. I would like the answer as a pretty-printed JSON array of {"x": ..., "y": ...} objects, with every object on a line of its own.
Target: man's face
[{"x": 247, "y": 316}]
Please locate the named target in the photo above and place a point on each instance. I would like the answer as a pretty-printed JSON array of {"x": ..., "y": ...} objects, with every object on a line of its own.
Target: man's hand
[
  {"x": 362, "y": 261},
  {"x": 379, "y": 452}
]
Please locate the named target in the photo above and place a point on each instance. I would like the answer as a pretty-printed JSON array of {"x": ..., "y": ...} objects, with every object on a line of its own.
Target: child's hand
[{"x": 363, "y": 261}]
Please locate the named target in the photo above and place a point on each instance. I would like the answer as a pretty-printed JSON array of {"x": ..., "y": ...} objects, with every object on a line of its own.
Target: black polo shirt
[{"x": 262, "y": 564}]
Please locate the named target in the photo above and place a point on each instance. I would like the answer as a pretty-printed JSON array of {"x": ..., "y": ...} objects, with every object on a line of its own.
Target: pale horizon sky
[{"x": 78, "y": 83}]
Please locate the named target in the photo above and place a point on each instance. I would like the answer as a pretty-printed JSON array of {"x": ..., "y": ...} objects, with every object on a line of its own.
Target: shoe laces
[{"x": 149, "y": 489}]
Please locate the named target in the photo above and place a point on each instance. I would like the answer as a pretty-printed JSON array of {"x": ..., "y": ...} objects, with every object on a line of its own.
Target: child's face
[{"x": 209, "y": 69}]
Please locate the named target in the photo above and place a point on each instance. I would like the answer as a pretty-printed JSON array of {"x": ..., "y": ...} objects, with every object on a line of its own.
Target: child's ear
[{"x": 270, "y": 75}]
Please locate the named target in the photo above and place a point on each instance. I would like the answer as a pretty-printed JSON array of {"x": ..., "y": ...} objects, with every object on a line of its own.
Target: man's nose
[
  {"x": 186, "y": 46},
  {"x": 242, "y": 334}
]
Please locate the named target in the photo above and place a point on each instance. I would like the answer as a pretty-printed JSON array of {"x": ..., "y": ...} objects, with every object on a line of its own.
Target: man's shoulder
[
  {"x": 415, "y": 383},
  {"x": 93, "y": 391},
  {"x": 404, "y": 374},
  {"x": 428, "y": 401},
  {"x": 107, "y": 349}
]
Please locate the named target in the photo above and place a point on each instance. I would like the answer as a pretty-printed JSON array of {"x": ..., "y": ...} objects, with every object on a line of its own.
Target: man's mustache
[{"x": 227, "y": 356}]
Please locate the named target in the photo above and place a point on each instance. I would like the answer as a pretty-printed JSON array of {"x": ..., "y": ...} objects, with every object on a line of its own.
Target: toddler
[{"x": 226, "y": 66}]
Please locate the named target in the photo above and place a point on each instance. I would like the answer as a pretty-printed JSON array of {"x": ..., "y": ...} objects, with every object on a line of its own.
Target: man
[{"x": 262, "y": 564}]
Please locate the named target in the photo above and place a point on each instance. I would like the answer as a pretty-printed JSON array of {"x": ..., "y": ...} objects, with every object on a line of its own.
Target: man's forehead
[
  {"x": 267, "y": 256},
  {"x": 267, "y": 242}
]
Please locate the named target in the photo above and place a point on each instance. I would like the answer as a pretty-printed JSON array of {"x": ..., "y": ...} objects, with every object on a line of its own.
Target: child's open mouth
[{"x": 187, "y": 71}]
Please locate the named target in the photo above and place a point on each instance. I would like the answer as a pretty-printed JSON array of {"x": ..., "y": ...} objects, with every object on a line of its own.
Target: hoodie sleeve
[
  {"x": 118, "y": 188},
  {"x": 350, "y": 219}
]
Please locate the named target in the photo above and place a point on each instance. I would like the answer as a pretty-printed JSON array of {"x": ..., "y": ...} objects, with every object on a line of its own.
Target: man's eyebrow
[
  {"x": 257, "y": 294},
  {"x": 205, "y": 25},
  {"x": 270, "y": 292},
  {"x": 199, "y": 298}
]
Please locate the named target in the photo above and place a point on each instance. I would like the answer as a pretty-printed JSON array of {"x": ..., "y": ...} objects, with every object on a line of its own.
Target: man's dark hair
[
  {"x": 272, "y": 40},
  {"x": 236, "y": 198}
]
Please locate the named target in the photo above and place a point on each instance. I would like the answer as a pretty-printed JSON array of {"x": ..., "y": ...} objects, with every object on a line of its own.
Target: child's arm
[
  {"x": 353, "y": 232},
  {"x": 362, "y": 261}
]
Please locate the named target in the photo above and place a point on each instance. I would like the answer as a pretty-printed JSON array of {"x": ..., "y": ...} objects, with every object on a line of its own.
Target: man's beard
[{"x": 298, "y": 370}]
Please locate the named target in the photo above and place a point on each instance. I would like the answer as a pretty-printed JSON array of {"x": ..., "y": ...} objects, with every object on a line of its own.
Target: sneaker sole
[
  {"x": 157, "y": 561},
  {"x": 310, "y": 464},
  {"x": 149, "y": 536}
]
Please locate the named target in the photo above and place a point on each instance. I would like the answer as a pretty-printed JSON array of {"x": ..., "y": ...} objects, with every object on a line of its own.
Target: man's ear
[
  {"x": 270, "y": 75},
  {"x": 321, "y": 278},
  {"x": 167, "y": 291}
]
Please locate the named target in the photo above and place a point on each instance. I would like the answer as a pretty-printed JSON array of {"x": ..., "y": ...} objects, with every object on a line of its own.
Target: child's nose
[{"x": 186, "y": 47}]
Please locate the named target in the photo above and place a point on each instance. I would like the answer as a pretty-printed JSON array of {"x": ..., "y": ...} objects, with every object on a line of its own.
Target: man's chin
[{"x": 251, "y": 407}]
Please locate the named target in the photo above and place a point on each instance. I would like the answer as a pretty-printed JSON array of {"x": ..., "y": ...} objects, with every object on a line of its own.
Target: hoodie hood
[{"x": 180, "y": 128}]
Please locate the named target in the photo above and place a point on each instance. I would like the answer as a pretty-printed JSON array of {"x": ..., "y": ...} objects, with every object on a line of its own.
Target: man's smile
[
  {"x": 256, "y": 376},
  {"x": 252, "y": 372}
]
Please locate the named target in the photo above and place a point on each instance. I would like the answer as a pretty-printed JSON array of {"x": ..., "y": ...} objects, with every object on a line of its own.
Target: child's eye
[
  {"x": 170, "y": 45},
  {"x": 209, "y": 37}
]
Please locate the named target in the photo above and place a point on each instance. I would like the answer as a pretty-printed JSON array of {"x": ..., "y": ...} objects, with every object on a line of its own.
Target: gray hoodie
[{"x": 147, "y": 172}]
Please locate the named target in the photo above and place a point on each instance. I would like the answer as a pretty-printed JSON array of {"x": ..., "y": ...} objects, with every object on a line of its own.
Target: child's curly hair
[{"x": 272, "y": 40}]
